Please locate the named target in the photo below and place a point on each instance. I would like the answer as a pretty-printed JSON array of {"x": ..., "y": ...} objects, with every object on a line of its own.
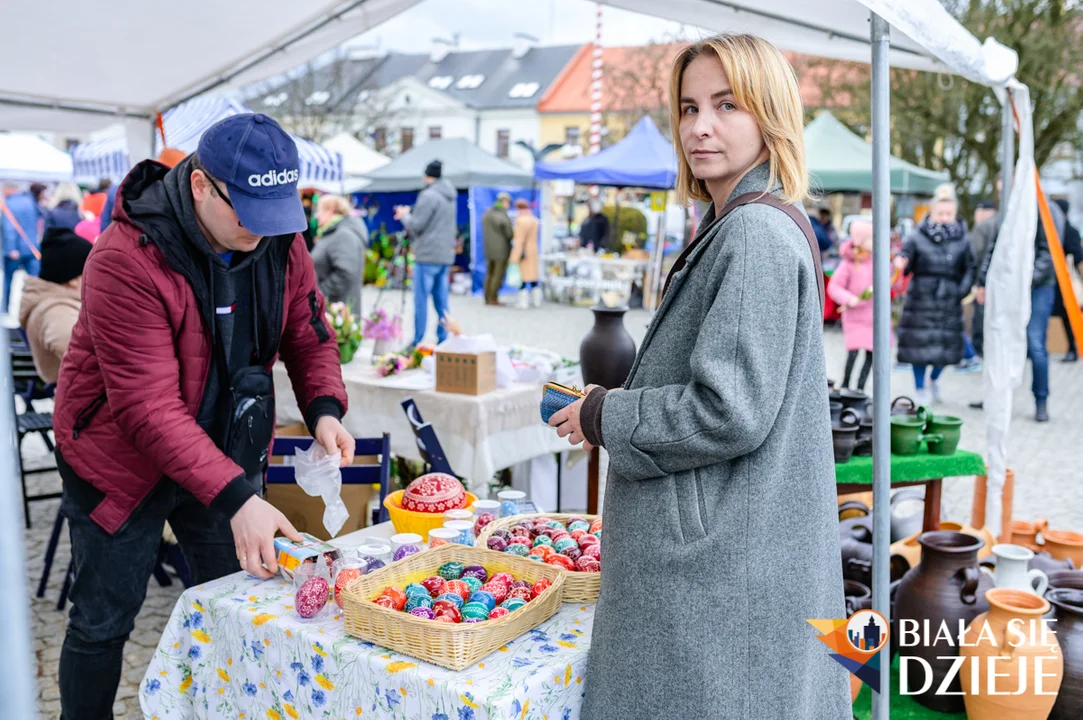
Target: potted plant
[
  {"x": 385, "y": 330},
  {"x": 347, "y": 330}
]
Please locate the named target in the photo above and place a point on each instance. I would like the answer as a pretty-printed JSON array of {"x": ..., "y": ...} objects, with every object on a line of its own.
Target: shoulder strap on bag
[{"x": 763, "y": 199}]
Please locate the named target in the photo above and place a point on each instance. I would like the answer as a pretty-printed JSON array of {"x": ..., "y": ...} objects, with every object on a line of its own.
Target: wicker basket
[
  {"x": 580, "y": 587},
  {"x": 455, "y": 647}
]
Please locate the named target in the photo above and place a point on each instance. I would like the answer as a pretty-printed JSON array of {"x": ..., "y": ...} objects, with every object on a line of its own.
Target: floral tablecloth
[{"x": 234, "y": 648}]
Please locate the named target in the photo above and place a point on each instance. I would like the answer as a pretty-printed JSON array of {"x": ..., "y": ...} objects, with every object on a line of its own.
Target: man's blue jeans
[
  {"x": 1041, "y": 307},
  {"x": 27, "y": 262},
  {"x": 430, "y": 280}
]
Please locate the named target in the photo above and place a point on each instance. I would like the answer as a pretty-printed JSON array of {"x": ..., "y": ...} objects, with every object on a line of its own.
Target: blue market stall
[
  {"x": 476, "y": 174},
  {"x": 643, "y": 158}
]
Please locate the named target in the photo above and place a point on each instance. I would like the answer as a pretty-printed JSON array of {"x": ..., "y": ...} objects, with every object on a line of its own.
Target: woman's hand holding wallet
[{"x": 566, "y": 419}]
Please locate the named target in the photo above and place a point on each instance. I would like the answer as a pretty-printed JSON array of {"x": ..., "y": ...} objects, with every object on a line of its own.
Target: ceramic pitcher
[{"x": 1011, "y": 570}]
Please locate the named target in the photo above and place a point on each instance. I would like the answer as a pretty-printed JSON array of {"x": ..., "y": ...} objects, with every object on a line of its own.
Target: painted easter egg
[
  {"x": 572, "y": 552},
  {"x": 499, "y": 591},
  {"x": 513, "y": 604},
  {"x": 542, "y": 540},
  {"x": 416, "y": 589},
  {"x": 497, "y": 543},
  {"x": 422, "y": 612},
  {"x": 398, "y": 595},
  {"x": 459, "y": 588},
  {"x": 434, "y": 493},
  {"x": 473, "y": 583},
  {"x": 517, "y": 549},
  {"x": 540, "y": 586},
  {"x": 450, "y": 612},
  {"x": 476, "y": 571},
  {"x": 594, "y": 551},
  {"x": 311, "y": 597},
  {"x": 588, "y": 564},
  {"x": 501, "y": 533},
  {"x": 451, "y": 570},
  {"x": 418, "y": 601},
  {"x": 434, "y": 584},
  {"x": 384, "y": 601},
  {"x": 596, "y": 525},
  {"x": 451, "y": 598},
  {"x": 498, "y": 612},
  {"x": 564, "y": 544},
  {"x": 503, "y": 577},
  {"x": 482, "y": 521},
  {"x": 521, "y": 593},
  {"x": 588, "y": 540},
  {"x": 578, "y": 525},
  {"x": 475, "y": 610},
  {"x": 560, "y": 561},
  {"x": 485, "y": 598},
  {"x": 405, "y": 551},
  {"x": 372, "y": 564},
  {"x": 445, "y": 618},
  {"x": 542, "y": 551},
  {"x": 345, "y": 576}
]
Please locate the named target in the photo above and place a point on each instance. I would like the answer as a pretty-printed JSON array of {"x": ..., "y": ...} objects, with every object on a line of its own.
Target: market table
[
  {"x": 480, "y": 434},
  {"x": 235, "y": 648},
  {"x": 920, "y": 469}
]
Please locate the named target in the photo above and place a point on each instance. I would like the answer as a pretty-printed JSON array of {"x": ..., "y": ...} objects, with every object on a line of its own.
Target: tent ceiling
[
  {"x": 924, "y": 35},
  {"x": 153, "y": 55}
]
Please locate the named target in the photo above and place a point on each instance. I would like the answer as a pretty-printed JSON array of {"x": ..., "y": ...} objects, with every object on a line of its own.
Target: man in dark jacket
[
  {"x": 594, "y": 232},
  {"x": 1043, "y": 288},
  {"x": 982, "y": 236},
  {"x": 1073, "y": 248},
  {"x": 498, "y": 232},
  {"x": 165, "y": 402},
  {"x": 826, "y": 237},
  {"x": 432, "y": 229}
]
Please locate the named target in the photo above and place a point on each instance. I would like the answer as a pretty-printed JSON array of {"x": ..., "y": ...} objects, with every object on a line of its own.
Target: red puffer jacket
[{"x": 135, "y": 372}]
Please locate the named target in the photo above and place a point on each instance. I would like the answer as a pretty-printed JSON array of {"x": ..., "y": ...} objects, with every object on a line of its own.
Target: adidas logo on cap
[{"x": 271, "y": 178}]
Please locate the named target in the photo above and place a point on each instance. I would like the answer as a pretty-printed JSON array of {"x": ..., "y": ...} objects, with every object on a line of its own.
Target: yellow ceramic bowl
[{"x": 411, "y": 521}]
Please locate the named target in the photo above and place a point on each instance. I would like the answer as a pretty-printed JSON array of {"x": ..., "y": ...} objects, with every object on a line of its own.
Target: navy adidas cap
[{"x": 257, "y": 160}]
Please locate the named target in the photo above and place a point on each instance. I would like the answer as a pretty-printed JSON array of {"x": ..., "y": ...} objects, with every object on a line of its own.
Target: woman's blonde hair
[
  {"x": 765, "y": 85},
  {"x": 336, "y": 203},
  {"x": 945, "y": 193},
  {"x": 65, "y": 191}
]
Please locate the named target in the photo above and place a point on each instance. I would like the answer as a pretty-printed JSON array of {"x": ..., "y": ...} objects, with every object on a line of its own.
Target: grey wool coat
[
  {"x": 721, "y": 525},
  {"x": 339, "y": 257}
]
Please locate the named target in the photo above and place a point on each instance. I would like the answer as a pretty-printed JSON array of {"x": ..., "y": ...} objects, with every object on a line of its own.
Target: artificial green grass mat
[
  {"x": 902, "y": 707},
  {"x": 909, "y": 468}
]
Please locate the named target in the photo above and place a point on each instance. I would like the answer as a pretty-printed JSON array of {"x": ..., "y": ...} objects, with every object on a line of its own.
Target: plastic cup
[
  {"x": 486, "y": 506},
  {"x": 443, "y": 536},
  {"x": 464, "y": 530},
  {"x": 458, "y": 514},
  {"x": 509, "y": 502}
]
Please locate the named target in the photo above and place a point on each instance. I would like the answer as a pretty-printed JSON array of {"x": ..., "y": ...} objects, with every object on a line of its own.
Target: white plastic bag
[{"x": 318, "y": 474}]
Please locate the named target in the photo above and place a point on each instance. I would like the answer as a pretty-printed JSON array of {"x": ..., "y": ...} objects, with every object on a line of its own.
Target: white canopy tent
[
  {"x": 920, "y": 35},
  {"x": 358, "y": 160},
  {"x": 28, "y": 158}
]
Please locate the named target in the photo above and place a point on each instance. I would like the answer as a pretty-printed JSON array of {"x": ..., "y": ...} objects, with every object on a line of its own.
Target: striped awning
[{"x": 183, "y": 126}]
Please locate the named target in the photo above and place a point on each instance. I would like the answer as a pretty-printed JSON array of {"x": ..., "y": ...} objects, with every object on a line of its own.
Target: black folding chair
[
  {"x": 428, "y": 446},
  {"x": 29, "y": 386},
  {"x": 368, "y": 474}
]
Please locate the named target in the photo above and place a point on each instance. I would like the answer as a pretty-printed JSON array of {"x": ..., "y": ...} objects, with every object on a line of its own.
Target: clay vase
[
  {"x": 949, "y": 429},
  {"x": 1018, "y": 650},
  {"x": 1064, "y": 545},
  {"x": 903, "y": 405},
  {"x": 836, "y": 411},
  {"x": 863, "y": 442},
  {"x": 945, "y": 587},
  {"x": 855, "y": 541},
  {"x": 852, "y": 509},
  {"x": 1068, "y": 606},
  {"x": 1049, "y": 564},
  {"x": 908, "y": 433},
  {"x": 608, "y": 351},
  {"x": 1012, "y": 570},
  {"x": 844, "y": 435},
  {"x": 1026, "y": 533},
  {"x": 856, "y": 593},
  {"x": 856, "y": 401},
  {"x": 1065, "y": 580}
]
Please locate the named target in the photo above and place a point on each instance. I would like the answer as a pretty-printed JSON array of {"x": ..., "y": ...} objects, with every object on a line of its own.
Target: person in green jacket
[{"x": 498, "y": 232}]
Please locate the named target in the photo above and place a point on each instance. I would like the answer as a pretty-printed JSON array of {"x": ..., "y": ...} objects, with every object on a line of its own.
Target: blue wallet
[{"x": 557, "y": 397}]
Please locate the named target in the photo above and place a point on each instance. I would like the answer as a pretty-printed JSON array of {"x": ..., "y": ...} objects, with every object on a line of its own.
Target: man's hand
[
  {"x": 334, "y": 438},
  {"x": 568, "y": 424},
  {"x": 979, "y": 295},
  {"x": 401, "y": 211},
  {"x": 254, "y": 527},
  {"x": 14, "y": 254}
]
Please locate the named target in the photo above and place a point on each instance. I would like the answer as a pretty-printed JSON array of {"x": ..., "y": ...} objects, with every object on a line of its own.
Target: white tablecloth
[{"x": 480, "y": 434}]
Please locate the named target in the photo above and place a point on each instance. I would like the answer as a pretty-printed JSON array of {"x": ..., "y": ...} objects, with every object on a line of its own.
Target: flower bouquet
[
  {"x": 385, "y": 330},
  {"x": 347, "y": 331},
  {"x": 394, "y": 363}
]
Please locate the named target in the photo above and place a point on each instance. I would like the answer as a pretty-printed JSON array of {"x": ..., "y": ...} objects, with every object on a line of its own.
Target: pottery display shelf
[{"x": 920, "y": 469}]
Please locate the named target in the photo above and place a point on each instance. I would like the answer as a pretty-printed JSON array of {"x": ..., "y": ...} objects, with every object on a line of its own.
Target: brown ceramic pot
[
  {"x": 856, "y": 594},
  {"x": 1047, "y": 563},
  {"x": 608, "y": 351},
  {"x": 1026, "y": 533},
  {"x": 1068, "y": 605},
  {"x": 1021, "y": 651},
  {"x": 1065, "y": 580},
  {"x": 852, "y": 509},
  {"x": 1064, "y": 545},
  {"x": 984, "y": 534},
  {"x": 945, "y": 587}
]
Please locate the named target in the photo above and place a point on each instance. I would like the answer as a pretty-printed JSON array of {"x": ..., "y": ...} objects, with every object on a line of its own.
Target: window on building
[
  {"x": 379, "y": 138},
  {"x": 503, "y": 140},
  {"x": 470, "y": 82},
  {"x": 523, "y": 90},
  {"x": 407, "y": 138},
  {"x": 571, "y": 135},
  {"x": 440, "y": 82},
  {"x": 435, "y": 132}
]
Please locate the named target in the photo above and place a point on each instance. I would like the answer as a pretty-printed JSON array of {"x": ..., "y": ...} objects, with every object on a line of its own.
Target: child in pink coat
[{"x": 851, "y": 288}]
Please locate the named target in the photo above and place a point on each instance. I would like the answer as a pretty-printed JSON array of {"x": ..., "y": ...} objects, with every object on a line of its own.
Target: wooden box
[{"x": 466, "y": 374}]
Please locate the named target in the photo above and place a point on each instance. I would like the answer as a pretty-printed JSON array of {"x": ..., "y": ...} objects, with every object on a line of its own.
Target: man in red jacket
[{"x": 165, "y": 401}]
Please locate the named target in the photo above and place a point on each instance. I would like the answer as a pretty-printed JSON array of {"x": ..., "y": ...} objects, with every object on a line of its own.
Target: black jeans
[
  {"x": 866, "y": 368},
  {"x": 111, "y": 575}
]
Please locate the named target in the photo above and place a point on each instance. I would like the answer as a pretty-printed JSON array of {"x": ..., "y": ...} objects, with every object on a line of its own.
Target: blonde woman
[
  {"x": 939, "y": 256},
  {"x": 63, "y": 209},
  {"x": 720, "y": 508},
  {"x": 339, "y": 251}
]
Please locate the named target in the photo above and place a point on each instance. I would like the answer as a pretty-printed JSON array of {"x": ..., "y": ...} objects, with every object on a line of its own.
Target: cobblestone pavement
[{"x": 1044, "y": 457}]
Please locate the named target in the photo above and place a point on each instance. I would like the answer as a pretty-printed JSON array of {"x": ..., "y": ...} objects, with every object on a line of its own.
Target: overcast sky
[{"x": 486, "y": 24}]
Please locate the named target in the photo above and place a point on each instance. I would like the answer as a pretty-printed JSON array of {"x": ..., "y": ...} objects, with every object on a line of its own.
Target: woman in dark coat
[{"x": 939, "y": 257}]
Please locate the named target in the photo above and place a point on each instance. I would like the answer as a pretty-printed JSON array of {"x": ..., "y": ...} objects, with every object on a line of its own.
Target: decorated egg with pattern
[
  {"x": 451, "y": 570},
  {"x": 498, "y": 612},
  {"x": 593, "y": 551},
  {"x": 588, "y": 564},
  {"x": 473, "y": 583},
  {"x": 345, "y": 576},
  {"x": 384, "y": 601},
  {"x": 476, "y": 571},
  {"x": 540, "y": 586},
  {"x": 372, "y": 564},
  {"x": 446, "y": 618},
  {"x": 521, "y": 593},
  {"x": 418, "y": 601},
  {"x": 422, "y": 612},
  {"x": 503, "y": 577},
  {"x": 485, "y": 598},
  {"x": 578, "y": 525},
  {"x": 451, "y": 598},
  {"x": 596, "y": 526},
  {"x": 482, "y": 521},
  {"x": 513, "y": 604},
  {"x": 451, "y": 612},
  {"x": 575, "y": 519},
  {"x": 563, "y": 544},
  {"x": 542, "y": 551},
  {"x": 476, "y": 611},
  {"x": 397, "y": 595},
  {"x": 542, "y": 540},
  {"x": 495, "y": 542},
  {"x": 434, "y": 493},
  {"x": 520, "y": 540},
  {"x": 576, "y": 534},
  {"x": 470, "y": 621},
  {"x": 520, "y": 584},
  {"x": 573, "y": 552},
  {"x": 561, "y": 561},
  {"x": 405, "y": 551},
  {"x": 517, "y": 549},
  {"x": 499, "y": 591},
  {"x": 588, "y": 540},
  {"x": 502, "y": 533},
  {"x": 458, "y": 587},
  {"x": 416, "y": 589},
  {"x": 434, "y": 584},
  {"x": 311, "y": 597}
]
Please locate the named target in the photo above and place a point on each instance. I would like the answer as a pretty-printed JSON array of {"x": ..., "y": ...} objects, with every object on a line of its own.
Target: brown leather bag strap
[{"x": 762, "y": 199}]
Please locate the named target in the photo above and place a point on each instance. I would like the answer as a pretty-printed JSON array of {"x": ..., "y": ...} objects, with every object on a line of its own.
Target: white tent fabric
[
  {"x": 184, "y": 125},
  {"x": 357, "y": 157},
  {"x": 28, "y": 158},
  {"x": 210, "y": 44}
]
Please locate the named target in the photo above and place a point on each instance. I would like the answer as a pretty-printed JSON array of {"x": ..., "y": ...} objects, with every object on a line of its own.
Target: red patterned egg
[
  {"x": 434, "y": 493},
  {"x": 573, "y": 552},
  {"x": 588, "y": 540},
  {"x": 345, "y": 575},
  {"x": 593, "y": 551},
  {"x": 311, "y": 597},
  {"x": 498, "y": 590},
  {"x": 542, "y": 520},
  {"x": 437, "y": 542},
  {"x": 519, "y": 540},
  {"x": 596, "y": 525},
  {"x": 520, "y": 584},
  {"x": 575, "y": 519},
  {"x": 542, "y": 551},
  {"x": 588, "y": 564},
  {"x": 540, "y": 586},
  {"x": 517, "y": 531},
  {"x": 398, "y": 595},
  {"x": 445, "y": 619},
  {"x": 576, "y": 534},
  {"x": 504, "y": 577},
  {"x": 560, "y": 561},
  {"x": 482, "y": 521},
  {"x": 521, "y": 593},
  {"x": 448, "y": 611},
  {"x": 501, "y": 532},
  {"x": 498, "y": 613},
  {"x": 559, "y": 535},
  {"x": 459, "y": 588},
  {"x": 385, "y": 601},
  {"x": 435, "y": 585}
]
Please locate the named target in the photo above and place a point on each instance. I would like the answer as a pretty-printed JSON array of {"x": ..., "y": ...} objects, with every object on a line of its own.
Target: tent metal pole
[
  {"x": 881, "y": 299},
  {"x": 16, "y": 682}
]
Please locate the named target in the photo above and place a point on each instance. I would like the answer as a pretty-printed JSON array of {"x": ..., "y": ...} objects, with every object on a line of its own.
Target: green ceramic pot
[
  {"x": 907, "y": 434},
  {"x": 949, "y": 428}
]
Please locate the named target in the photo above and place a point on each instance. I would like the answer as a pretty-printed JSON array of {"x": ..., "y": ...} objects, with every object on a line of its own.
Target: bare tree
[{"x": 639, "y": 87}]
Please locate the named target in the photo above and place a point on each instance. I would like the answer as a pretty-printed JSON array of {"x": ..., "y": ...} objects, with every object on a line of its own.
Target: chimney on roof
[
  {"x": 521, "y": 44},
  {"x": 441, "y": 47}
]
